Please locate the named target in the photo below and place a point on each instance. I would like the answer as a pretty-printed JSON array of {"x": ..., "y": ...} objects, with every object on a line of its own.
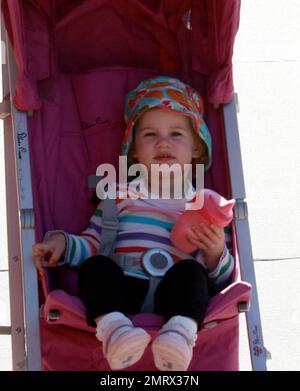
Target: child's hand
[
  {"x": 48, "y": 252},
  {"x": 211, "y": 240}
]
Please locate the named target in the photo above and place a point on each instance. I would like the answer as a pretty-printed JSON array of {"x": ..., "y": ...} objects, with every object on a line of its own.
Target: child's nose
[{"x": 162, "y": 141}]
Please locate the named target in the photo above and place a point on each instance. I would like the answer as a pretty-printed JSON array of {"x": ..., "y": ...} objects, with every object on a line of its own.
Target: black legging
[{"x": 104, "y": 288}]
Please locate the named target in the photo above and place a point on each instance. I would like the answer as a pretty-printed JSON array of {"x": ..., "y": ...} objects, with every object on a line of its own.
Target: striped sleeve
[
  {"x": 221, "y": 276},
  {"x": 87, "y": 243}
]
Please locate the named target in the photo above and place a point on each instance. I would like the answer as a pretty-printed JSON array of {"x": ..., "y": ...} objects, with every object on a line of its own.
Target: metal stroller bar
[
  {"x": 255, "y": 337},
  {"x": 24, "y": 305}
]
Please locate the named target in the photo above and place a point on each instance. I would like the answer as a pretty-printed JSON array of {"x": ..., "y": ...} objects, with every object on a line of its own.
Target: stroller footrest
[{"x": 63, "y": 309}]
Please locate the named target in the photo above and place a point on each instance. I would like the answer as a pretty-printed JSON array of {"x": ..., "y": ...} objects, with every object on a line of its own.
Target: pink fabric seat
[{"x": 220, "y": 329}]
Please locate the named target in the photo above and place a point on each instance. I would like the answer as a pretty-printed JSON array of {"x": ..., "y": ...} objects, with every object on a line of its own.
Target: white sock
[
  {"x": 173, "y": 347},
  {"x": 189, "y": 324},
  {"x": 107, "y": 320}
]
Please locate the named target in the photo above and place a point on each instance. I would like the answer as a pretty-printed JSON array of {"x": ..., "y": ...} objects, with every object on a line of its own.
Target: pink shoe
[
  {"x": 173, "y": 349},
  {"x": 128, "y": 346}
]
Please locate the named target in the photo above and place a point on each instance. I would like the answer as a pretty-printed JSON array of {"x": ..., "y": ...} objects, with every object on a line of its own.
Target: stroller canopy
[{"x": 186, "y": 38}]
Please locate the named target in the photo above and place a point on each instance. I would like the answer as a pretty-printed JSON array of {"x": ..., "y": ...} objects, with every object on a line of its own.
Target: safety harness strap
[{"x": 108, "y": 236}]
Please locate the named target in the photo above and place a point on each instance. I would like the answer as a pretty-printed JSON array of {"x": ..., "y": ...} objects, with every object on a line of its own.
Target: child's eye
[
  {"x": 149, "y": 134},
  {"x": 176, "y": 133}
]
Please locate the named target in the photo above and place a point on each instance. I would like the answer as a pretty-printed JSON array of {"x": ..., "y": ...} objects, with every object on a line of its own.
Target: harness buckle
[{"x": 157, "y": 262}]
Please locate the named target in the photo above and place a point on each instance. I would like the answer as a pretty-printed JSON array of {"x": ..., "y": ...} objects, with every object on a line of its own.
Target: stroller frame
[{"x": 23, "y": 284}]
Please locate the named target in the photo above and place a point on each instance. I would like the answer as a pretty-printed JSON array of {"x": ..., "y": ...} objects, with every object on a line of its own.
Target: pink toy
[{"x": 215, "y": 210}]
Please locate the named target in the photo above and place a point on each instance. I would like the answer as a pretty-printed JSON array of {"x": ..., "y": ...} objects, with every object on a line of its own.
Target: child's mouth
[{"x": 164, "y": 158}]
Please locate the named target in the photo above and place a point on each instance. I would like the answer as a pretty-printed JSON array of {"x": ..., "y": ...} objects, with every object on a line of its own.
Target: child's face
[{"x": 164, "y": 136}]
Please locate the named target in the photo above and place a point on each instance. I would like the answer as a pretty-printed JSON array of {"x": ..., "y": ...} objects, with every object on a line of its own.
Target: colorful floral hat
[{"x": 170, "y": 93}]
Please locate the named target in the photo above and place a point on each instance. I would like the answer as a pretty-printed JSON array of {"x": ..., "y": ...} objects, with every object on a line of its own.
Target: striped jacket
[{"x": 143, "y": 224}]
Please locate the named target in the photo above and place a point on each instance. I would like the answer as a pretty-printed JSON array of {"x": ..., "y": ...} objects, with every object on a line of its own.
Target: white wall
[{"x": 267, "y": 79}]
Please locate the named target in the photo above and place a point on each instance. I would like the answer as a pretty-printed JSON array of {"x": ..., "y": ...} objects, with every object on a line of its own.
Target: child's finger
[
  {"x": 197, "y": 243},
  {"x": 54, "y": 258},
  {"x": 40, "y": 248},
  {"x": 209, "y": 232},
  {"x": 217, "y": 230},
  {"x": 36, "y": 249},
  {"x": 37, "y": 260},
  {"x": 205, "y": 240}
]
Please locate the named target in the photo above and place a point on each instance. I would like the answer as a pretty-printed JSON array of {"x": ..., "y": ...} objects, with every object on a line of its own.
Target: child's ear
[
  {"x": 196, "y": 153},
  {"x": 134, "y": 154}
]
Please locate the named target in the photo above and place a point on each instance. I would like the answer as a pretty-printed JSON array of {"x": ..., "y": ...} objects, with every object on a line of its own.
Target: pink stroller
[{"x": 69, "y": 66}]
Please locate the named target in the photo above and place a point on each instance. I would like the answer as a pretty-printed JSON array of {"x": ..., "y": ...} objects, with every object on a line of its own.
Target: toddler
[{"x": 164, "y": 125}]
